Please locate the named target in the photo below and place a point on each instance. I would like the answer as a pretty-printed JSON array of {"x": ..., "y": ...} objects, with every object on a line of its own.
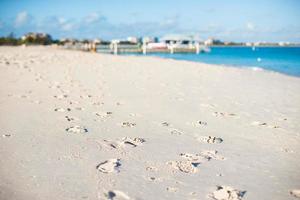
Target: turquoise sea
[{"x": 285, "y": 60}]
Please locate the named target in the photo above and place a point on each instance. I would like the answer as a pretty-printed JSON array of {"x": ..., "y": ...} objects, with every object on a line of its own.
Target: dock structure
[
  {"x": 169, "y": 44},
  {"x": 144, "y": 48},
  {"x": 115, "y": 48},
  {"x": 171, "y": 47},
  {"x": 197, "y": 46}
]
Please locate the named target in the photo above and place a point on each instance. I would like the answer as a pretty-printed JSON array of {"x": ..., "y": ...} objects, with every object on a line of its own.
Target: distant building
[
  {"x": 115, "y": 41},
  {"x": 212, "y": 41},
  {"x": 97, "y": 41},
  {"x": 156, "y": 39},
  {"x": 36, "y": 36},
  {"x": 148, "y": 40},
  {"x": 133, "y": 40},
  {"x": 63, "y": 40},
  {"x": 179, "y": 40},
  {"x": 209, "y": 42},
  {"x": 284, "y": 43},
  {"x": 121, "y": 42},
  {"x": 70, "y": 40}
]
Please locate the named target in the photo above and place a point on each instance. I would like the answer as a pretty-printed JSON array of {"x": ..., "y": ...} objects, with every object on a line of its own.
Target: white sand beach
[{"x": 80, "y": 125}]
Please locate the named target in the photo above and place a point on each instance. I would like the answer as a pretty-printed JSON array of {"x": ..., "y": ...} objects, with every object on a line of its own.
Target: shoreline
[
  {"x": 81, "y": 125},
  {"x": 252, "y": 68},
  {"x": 257, "y": 46}
]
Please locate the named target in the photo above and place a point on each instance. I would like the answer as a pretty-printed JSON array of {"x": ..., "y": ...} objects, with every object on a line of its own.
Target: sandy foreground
[{"x": 77, "y": 125}]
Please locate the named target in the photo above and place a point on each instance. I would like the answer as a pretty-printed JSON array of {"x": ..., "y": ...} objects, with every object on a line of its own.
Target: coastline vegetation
[
  {"x": 46, "y": 39},
  {"x": 28, "y": 39}
]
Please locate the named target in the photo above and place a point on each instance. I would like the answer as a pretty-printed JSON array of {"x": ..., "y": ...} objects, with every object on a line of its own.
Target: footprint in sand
[
  {"x": 210, "y": 139},
  {"x": 85, "y": 96},
  {"x": 192, "y": 161},
  {"x": 176, "y": 132},
  {"x": 109, "y": 166},
  {"x": 110, "y": 144},
  {"x": 120, "y": 103},
  {"x": 116, "y": 195},
  {"x": 79, "y": 108},
  {"x": 184, "y": 166},
  {"x": 202, "y": 156},
  {"x": 274, "y": 126},
  {"x": 264, "y": 124},
  {"x": 154, "y": 179},
  {"x": 172, "y": 189},
  {"x": 128, "y": 124},
  {"x": 126, "y": 141},
  {"x": 295, "y": 193},
  {"x": 97, "y": 103},
  {"x": 227, "y": 193},
  {"x": 62, "y": 110},
  {"x": 152, "y": 169},
  {"x": 103, "y": 114},
  {"x": 134, "y": 115},
  {"x": 283, "y": 119},
  {"x": 191, "y": 157},
  {"x": 60, "y": 96},
  {"x": 133, "y": 142},
  {"x": 71, "y": 118},
  {"x": 73, "y": 102},
  {"x": 6, "y": 135},
  {"x": 256, "y": 123},
  {"x": 22, "y": 96},
  {"x": 222, "y": 114},
  {"x": 197, "y": 124},
  {"x": 165, "y": 124},
  {"x": 54, "y": 85},
  {"x": 77, "y": 129},
  {"x": 211, "y": 155},
  {"x": 286, "y": 150},
  {"x": 202, "y": 123},
  {"x": 192, "y": 193}
]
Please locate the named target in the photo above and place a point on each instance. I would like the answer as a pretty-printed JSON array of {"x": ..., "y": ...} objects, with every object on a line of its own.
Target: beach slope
[{"x": 79, "y": 125}]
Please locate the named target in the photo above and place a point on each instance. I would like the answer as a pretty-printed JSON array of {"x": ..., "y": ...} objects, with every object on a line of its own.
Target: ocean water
[{"x": 285, "y": 60}]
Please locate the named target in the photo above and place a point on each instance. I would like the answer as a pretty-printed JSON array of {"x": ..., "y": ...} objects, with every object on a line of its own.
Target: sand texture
[{"x": 79, "y": 125}]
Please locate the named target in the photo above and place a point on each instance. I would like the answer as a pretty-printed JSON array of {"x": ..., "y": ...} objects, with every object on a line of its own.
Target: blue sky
[{"x": 229, "y": 20}]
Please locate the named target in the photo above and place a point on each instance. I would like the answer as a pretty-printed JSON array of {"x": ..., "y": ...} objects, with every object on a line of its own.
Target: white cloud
[
  {"x": 67, "y": 27},
  {"x": 21, "y": 19},
  {"x": 97, "y": 25},
  {"x": 250, "y": 26},
  {"x": 94, "y": 18},
  {"x": 61, "y": 20},
  {"x": 62, "y": 23},
  {"x": 170, "y": 21}
]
